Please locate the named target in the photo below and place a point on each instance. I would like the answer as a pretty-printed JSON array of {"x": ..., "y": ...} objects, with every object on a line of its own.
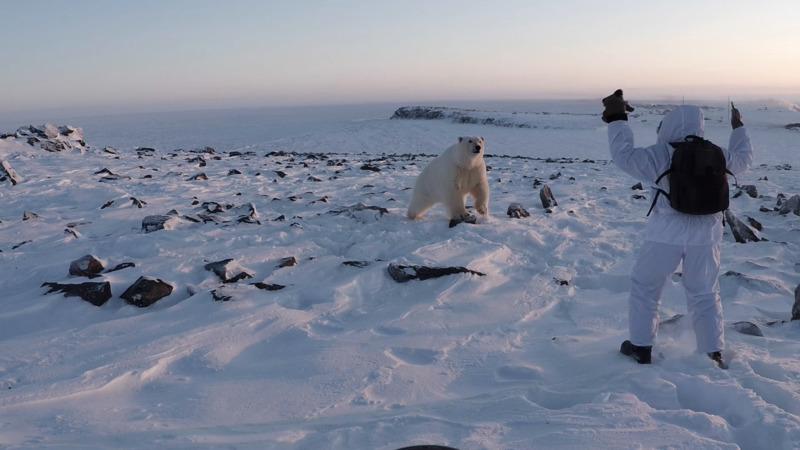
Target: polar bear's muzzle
[{"x": 477, "y": 149}]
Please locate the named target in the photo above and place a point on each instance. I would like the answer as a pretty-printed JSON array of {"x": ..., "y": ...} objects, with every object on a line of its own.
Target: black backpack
[{"x": 698, "y": 178}]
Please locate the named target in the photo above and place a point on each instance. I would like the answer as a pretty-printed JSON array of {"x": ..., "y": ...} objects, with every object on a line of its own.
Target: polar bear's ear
[{"x": 460, "y": 138}]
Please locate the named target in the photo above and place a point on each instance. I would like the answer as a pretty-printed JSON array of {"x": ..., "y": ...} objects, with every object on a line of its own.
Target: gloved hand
[
  {"x": 736, "y": 117},
  {"x": 616, "y": 107}
]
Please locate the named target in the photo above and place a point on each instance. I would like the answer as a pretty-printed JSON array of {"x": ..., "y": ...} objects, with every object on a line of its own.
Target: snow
[{"x": 344, "y": 357}]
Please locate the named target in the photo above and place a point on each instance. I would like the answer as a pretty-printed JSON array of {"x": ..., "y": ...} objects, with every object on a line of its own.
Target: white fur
[{"x": 449, "y": 177}]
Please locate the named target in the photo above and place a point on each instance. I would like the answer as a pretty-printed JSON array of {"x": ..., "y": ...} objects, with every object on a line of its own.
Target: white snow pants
[{"x": 654, "y": 266}]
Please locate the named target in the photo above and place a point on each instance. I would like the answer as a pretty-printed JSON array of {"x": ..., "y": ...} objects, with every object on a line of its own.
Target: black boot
[
  {"x": 639, "y": 353},
  {"x": 717, "y": 358}
]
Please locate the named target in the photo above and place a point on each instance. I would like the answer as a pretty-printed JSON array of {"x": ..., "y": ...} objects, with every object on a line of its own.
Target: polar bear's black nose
[{"x": 478, "y": 148}]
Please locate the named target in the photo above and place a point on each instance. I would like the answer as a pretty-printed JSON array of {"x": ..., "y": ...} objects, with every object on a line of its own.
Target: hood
[{"x": 682, "y": 121}]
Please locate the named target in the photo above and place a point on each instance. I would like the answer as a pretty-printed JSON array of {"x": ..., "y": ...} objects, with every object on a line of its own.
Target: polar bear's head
[{"x": 470, "y": 151}]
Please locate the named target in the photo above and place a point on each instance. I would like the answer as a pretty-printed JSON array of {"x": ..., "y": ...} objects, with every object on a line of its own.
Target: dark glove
[
  {"x": 616, "y": 107},
  {"x": 736, "y": 117}
]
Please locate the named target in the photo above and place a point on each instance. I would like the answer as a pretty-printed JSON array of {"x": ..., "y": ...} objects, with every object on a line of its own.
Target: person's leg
[
  {"x": 654, "y": 265},
  {"x": 700, "y": 272}
]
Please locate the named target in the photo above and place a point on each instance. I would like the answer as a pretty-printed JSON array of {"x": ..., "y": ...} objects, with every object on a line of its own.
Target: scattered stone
[
  {"x": 268, "y": 287},
  {"x": 749, "y": 328},
  {"x": 86, "y": 266},
  {"x": 402, "y": 273},
  {"x": 796, "y": 306},
  {"x": 515, "y": 210},
  {"x": 741, "y": 232},
  {"x": 280, "y": 173},
  {"x": 754, "y": 223},
  {"x": 370, "y": 168},
  {"x": 287, "y": 262},
  {"x": 791, "y": 206},
  {"x": 107, "y": 204},
  {"x": 671, "y": 323},
  {"x": 199, "y": 177},
  {"x": 748, "y": 189},
  {"x": 28, "y": 215},
  {"x": 362, "y": 213},
  {"x": 546, "y": 195},
  {"x": 10, "y": 173},
  {"x": 471, "y": 219},
  {"x": 359, "y": 264},
  {"x": 121, "y": 266},
  {"x": 228, "y": 270},
  {"x": 159, "y": 222},
  {"x": 145, "y": 291},
  {"x": 638, "y": 187},
  {"x": 220, "y": 297},
  {"x": 94, "y": 293},
  {"x": 138, "y": 203}
]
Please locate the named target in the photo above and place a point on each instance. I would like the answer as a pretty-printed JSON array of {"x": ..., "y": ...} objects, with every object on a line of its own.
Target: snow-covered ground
[{"x": 344, "y": 357}]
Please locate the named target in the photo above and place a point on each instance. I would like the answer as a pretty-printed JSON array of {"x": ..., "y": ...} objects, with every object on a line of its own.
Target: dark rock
[
  {"x": 791, "y": 206},
  {"x": 220, "y": 297},
  {"x": 402, "y": 273},
  {"x": 370, "y": 168},
  {"x": 361, "y": 212},
  {"x": 280, "y": 173},
  {"x": 268, "y": 287},
  {"x": 199, "y": 177},
  {"x": 546, "y": 196},
  {"x": 94, "y": 293},
  {"x": 121, "y": 266},
  {"x": 637, "y": 187},
  {"x": 21, "y": 244},
  {"x": 86, "y": 266},
  {"x": 516, "y": 211},
  {"x": 10, "y": 173},
  {"x": 55, "y": 146},
  {"x": 741, "y": 232},
  {"x": 471, "y": 219},
  {"x": 796, "y": 306},
  {"x": 158, "y": 222},
  {"x": 287, "y": 262},
  {"x": 671, "y": 323},
  {"x": 359, "y": 264},
  {"x": 748, "y": 328},
  {"x": 28, "y": 215},
  {"x": 754, "y": 223},
  {"x": 145, "y": 291},
  {"x": 107, "y": 204},
  {"x": 228, "y": 270},
  {"x": 748, "y": 189},
  {"x": 138, "y": 203}
]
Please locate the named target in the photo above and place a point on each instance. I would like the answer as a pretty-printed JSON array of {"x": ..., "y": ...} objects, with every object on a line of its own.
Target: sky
[{"x": 142, "y": 55}]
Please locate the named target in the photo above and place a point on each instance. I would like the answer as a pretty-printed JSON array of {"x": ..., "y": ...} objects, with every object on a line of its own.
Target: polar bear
[{"x": 449, "y": 177}]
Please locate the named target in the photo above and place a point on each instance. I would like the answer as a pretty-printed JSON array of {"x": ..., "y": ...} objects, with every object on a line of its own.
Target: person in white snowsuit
[{"x": 672, "y": 237}]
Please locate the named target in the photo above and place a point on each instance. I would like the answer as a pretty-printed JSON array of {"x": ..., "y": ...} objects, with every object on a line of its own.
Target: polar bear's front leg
[
  {"x": 454, "y": 204},
  {"x": 481, "y": 196}
]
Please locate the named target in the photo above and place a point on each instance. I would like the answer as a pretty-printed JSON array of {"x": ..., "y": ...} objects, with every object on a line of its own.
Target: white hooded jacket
[{"x": 646, "y": 164}]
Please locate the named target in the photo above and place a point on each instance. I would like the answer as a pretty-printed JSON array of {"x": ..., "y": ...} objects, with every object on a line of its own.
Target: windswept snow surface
[{"x": 344, "y": 357}]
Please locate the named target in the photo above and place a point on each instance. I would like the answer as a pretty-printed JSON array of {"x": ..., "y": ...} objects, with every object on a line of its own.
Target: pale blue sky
[{"x": 185, "y": 54}]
